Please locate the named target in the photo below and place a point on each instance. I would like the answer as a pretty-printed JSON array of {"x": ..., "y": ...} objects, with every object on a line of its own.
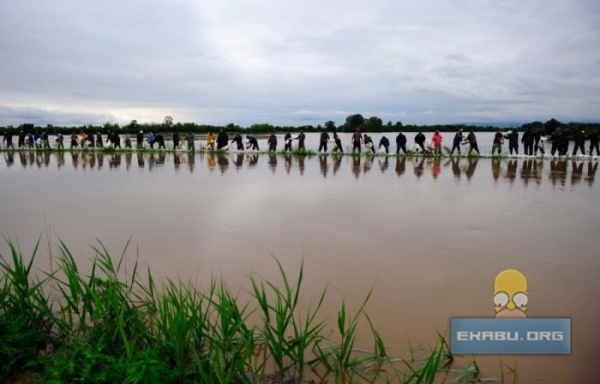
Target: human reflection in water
[
  {"x": 526, "y": 171},
  {"x": 114, "y": 162},
  {"x": 128, "y": 157},
  {"x": 239, "y": 161},
  {"x": 368, "y": 164},
  {"x": 419, "y": 167},
  {"x": 272, "y": 161},
  {"x": 536, "y": 172},
  {"x": 384, "y": 164},
  {"x": 456, "y": 171},
  {"x": 140, "y": 160},
  {"x": 223, "y": 161},
  {"x": 436, "y": 167},
  {"x": 471, "y": 166},
  {"x": 577, "y": 172},
  {"x": 288, "y": 163},
  {"x": 191, "y": 160},
  {"x": 591, "y": 172},
  {"x": 23, "y": 159},
  {"x": 301, "y": 160},
  {"x": 75, "y": 159},
  {"x": 337, "y": 162},
  {"x": 400, "y": 165},
  {"x": 100, "y": 158},
  {"x": 177, "y": 161},
  {"x": 496, "y": 168},
  {"x": 46, "y": 158},
  {"x": 558, "y": 172},
  {"x": 252, "y": 160},
  {"x": 92, "y": 160},
  {"x": 356, "y": 166},
  {"x": 323, "y": 165},
  {"x": 511, "y": 171},
  {"x": 211, "y": 161},
  {"x": 9, "y": 158}
]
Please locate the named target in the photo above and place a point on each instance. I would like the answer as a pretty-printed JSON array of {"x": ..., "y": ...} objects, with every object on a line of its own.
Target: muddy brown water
[{"x": 428, "y": 235}]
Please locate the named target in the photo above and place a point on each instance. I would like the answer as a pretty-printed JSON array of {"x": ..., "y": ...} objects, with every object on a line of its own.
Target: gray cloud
[{"x": 299, "y": 63}]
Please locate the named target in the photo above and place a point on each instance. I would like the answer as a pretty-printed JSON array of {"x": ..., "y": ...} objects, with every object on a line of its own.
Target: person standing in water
[
  {"x": 527, "y": 141},
  {"x": 356, "y": 140},
  {"x": 176, "y": 140},
  {"x": 139, "y": 140},
  {"x": 472, "y": 142},
  {"x": 593, "y": 137},
  {"x": 497, "y": 145},
  {"x": 301, "y": 137},
  {"x": 420, "y": 140},
  {"x": 222, "y": 140},
  {"x": 338, "y": 143},
  {"x": 252, "y": 142},
  {"x": 324, "y": 141},
  {"x": 385, "y": 143},
  {"x": 237, "y": 139},
  {"x": 437, "y": 139},
  {"x": 287, "y": 139},
  {"x": 458, "y": 138},
  {"x": 513, "y": 141},
  {"x": 99, "y": 143},
  {"x": 210, "y": 140},
  {"x": 189, "y": 138},
  {"x": 272, "y": 141}
]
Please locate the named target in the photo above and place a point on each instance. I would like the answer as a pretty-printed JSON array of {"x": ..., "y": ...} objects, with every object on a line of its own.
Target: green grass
[{"x": 116, "y": 323}]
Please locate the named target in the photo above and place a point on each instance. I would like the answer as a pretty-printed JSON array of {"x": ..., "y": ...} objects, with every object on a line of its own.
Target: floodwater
[{"x": 428, "y": 235}]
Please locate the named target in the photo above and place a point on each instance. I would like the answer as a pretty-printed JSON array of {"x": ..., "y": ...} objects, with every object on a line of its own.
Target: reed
[{"x": 112, "y": 324}]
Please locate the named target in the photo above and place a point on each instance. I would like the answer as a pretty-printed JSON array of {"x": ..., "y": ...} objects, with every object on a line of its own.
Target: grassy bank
[{"x": 121, "y": 325}]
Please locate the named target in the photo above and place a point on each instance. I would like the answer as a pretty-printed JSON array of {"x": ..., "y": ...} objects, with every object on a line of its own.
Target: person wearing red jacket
[{"x": 437, "y": 142}]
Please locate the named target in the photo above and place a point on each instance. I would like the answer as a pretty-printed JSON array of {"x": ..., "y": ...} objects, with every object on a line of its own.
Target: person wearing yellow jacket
[{"x": 210, "y": 140}]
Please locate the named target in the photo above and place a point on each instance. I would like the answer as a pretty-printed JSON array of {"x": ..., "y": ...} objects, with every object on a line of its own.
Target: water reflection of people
[
  {"x": 456, "y": 171},
  {"x": 176, "y": 160},
  {"x": 288, "y": 163},
  {"x": 239, "y": 161},
  {"x": 211, "y": 161},
  {"x": 9, "y": 158},
  {"x": 191, "y": 160},
  {"x": 419, "y": 167},
  {"x": 536, "y": 172},
  {"x": 337, "y": 162},
  {"x": 558, "y": 172},
  {"x": 496, "y": 167},
  {"x": 100, "y": 157},
  {"x": 511, "y": 170},
  {"x": 400, "y": 166},
  {"x": 384, "y": 164},
  {"x": 140, "y": 160},
  {"x": 323, "y": 163},
  {"x": 92, "y": 160},
  {"x": 253, "y": 160},
  {"x": 527, "y": 170},
  {"x": 301, "y": 159},
  {"x": 368, "y": 164},
  {"x": 23, "y": 159},
  {"x": 75, "y": 159},
  {"x": 591, "y": 172},
  {"x": 115, "y": 161},
  {"x": 436, "y": 168},
  {"x": 128, "y": 156},
  {"x": 471, "y": 166},
  {"x": 222, "y": 160},
  {"x": 577, "y": 171},
  {"x": 356, "y": 166},
  {"x": 272, "y": 161}
]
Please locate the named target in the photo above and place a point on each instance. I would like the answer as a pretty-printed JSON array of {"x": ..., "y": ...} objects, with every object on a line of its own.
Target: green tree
[
  {"x": 168, "y": 123},
  {"x": 330, "y": 125},
  {"x": 353, "y": 122},
  {"x": 373, "y": 124}
]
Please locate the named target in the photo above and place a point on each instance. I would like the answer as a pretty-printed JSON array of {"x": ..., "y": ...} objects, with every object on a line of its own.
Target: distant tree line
[{"x": 371, "y": 124}]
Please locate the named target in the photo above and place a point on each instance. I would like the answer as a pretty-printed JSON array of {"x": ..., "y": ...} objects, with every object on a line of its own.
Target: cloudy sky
[{"x": 72, "y": 62}]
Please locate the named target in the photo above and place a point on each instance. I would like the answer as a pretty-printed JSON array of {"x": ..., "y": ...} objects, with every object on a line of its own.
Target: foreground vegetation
[{"x": 110, "y": 326}]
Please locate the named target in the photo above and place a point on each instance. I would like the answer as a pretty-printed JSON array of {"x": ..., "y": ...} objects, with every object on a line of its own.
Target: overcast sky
[{"x": 73, "y": 62}]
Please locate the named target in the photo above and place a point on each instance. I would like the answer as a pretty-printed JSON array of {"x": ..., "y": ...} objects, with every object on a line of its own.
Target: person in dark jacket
[
  {"x": 458, "y": 138},
  {"x": 385, "y": 142},
  {"x": 513, "y": 141},
  {"x": 594, "y": 142},
  {"x": 160, "y": 140},
  {"x": 579, "y": 138},
  {"x": 237, "y": 139},
  {"x": 176, "y": 140},
  {"x": 99, "y": 140},
  {"x": 338, "y": 143},
  {"x": 252, "y": 142},
  {"x": 564, "y": 143},
  {"x": 324, "y": 140},
  {"x": 272, "y": 141},
  {"x": 420, "y": 140},
  {"x": 139, "y": 140},
  {"x": 116, "y": 140},
  {"x": 8, "y": 139},
  {"x": 368, "y": 142},
  {"x": 356, "y": 140},
  {"x": 91, "y": 139},
  {"x": 222, "y": 139},
  {"x": 557, "y": 140},
  {"x": 498, "y": 141},
  {"x": 527, "y": 140},
  {"x": 21, "y": 140},
  {"x": 472, "y": 139},
  {"x": 301, "y": 137},
  {"x": 287, "y": 139},
  {"x": 400, "y": 143}
]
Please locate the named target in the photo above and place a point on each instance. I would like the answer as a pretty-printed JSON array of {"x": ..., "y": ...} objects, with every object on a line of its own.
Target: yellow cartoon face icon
[{"x": 510, "y": 294}]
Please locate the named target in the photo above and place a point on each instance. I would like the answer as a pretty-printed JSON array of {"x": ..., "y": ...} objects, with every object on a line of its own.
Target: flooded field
[{"x": 428, "y": 234}]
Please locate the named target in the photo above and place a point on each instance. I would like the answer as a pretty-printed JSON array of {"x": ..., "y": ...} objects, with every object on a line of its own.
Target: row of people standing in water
[{"x": 532, "y": 142}]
